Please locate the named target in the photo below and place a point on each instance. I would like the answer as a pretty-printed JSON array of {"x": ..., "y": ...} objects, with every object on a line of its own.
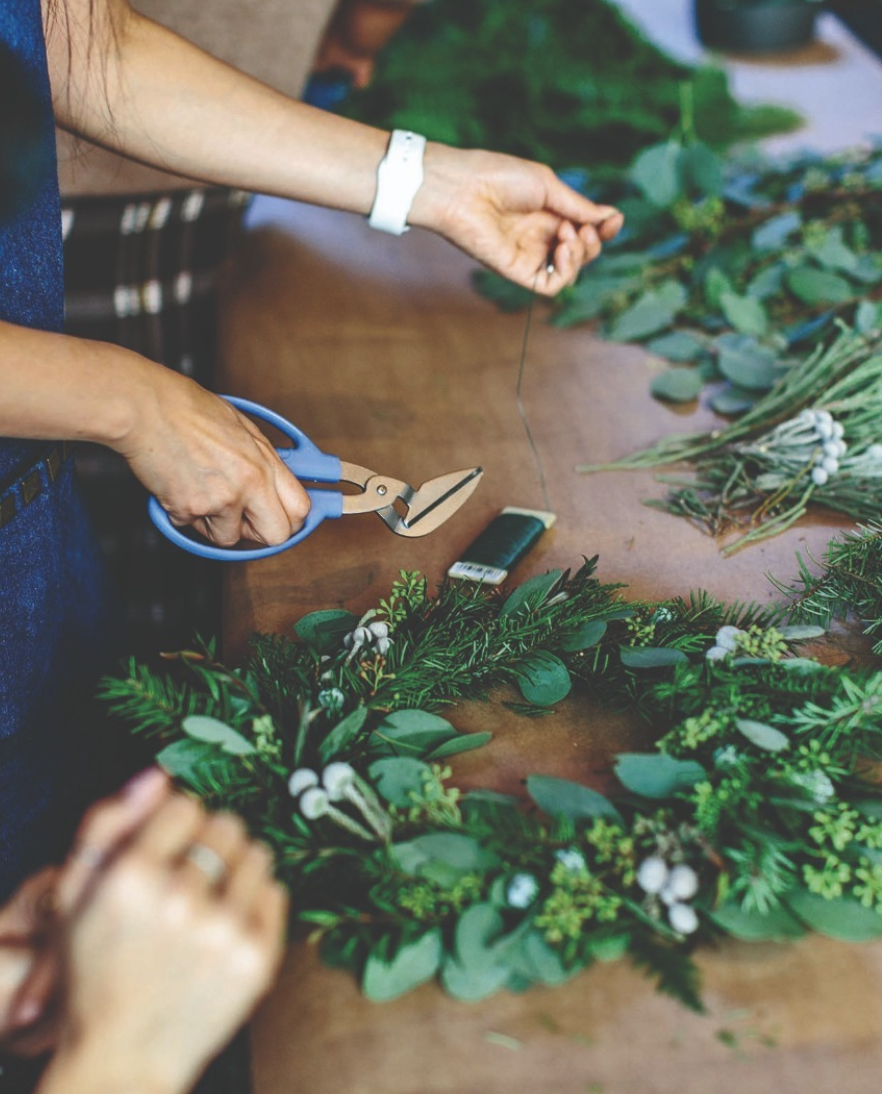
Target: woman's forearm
[
  {"x": 82, "y": 1070},
  {"x": 208, "y": 465},
  {"x": 56, "y": 387},
  {"x": 130, "y": 84}
]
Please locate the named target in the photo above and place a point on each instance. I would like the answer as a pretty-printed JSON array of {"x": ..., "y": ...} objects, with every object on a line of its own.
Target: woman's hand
[
  {"x": 515, "y": 216},
  {"x": 210, "y": 466}
]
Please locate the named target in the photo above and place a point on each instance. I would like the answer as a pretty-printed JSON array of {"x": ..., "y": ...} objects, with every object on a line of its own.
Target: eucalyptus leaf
[
  {"x": 745, "y": 313},
  {"x": 611, "y": 947},
  {"x": 701, "y": 170},
  {"x": 655, "y": 774},
  {"x": 868, "y": 269},
  {"x": 535, "y": 960},
  {"x": 186, "y": 759},
  {"x": 397, "y": 777},
  {"x": 843, "y": 919},
  {"x": 747, "y": 364},
  {"x": 477, "y": 933},
  {"x": 562, "y": 798},
  {"x": 802, "y": 665},
  {"x": 651, "y": 657},
  {"x": 480, "y": 940},
  {"x": 762, "y": 735},
  {"x": 832, "y": 251},
  {"x": 676, "y": 346},
  {"x": 677, "y": 385},
  {"x": 868, "y": 317},
  {"x": 776, "y": 925},
  {"x": 733, "y": 400},
  {"x": 802, "y": 632},
  {"x": 343, "y": 734},
  {"x": 814, "y": 286},
  {"x": 774, "y": 233},
  {"x": 531, "y": 594},
  {"x": 462, "y": 742},
  {"x": 324, "y": 631},
  {"x": 469, "y": 984},
  {"x": 442, "y": 856},
  {"x": 656, "y": 172},
  {"x": 411, "y": 966},
  {"x": 655, "y": 310},
  {"x": 544, "y": 679},
  {"x": 588, "y": 635},
  {"x": 484, "y": 958},
  {"x": 768, "y": 282},
  {"x": 214, "y": 732},
  {"x": 716, "y": 283},
  {"x": 410, "y": 733},
  {"x": 589, "y": 298}
]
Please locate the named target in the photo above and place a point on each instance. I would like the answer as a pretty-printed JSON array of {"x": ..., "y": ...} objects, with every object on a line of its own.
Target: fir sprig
[{"x": 848, "y": 586}]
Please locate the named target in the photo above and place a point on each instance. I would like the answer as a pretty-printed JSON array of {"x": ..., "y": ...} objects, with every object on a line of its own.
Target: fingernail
[
  {"x": 144, "y": 785},
  {"x": 26, "y": 1013}
]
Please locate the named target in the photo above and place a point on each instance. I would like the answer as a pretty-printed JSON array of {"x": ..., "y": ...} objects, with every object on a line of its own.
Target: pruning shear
[{"x": 420, "y": 511}]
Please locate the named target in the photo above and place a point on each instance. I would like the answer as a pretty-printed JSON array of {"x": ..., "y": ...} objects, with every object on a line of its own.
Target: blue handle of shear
[{"x": 304, "y": 459}]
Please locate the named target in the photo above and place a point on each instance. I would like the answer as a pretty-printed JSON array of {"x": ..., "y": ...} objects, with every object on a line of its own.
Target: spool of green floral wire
[{"x": 500, "y": 547}]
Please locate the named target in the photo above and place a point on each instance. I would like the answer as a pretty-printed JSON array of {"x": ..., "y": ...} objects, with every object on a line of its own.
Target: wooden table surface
[{"x": 378, "y": 348}]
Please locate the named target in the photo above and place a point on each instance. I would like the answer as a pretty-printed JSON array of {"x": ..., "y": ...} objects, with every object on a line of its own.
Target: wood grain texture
[{"x": 378, "y": 348}]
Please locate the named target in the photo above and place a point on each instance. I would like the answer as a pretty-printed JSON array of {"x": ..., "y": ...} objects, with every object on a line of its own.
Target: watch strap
[{"x": 399, "y": 177}]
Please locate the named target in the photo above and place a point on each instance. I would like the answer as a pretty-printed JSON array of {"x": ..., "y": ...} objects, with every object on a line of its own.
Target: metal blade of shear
[{"x": 433, "y": 503}]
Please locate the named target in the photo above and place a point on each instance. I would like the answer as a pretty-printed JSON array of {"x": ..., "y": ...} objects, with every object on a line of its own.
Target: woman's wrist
[
  {"x": 442, "y": 175},
  {"x": 56, "y": 387},
  {"x": 88, "y": 1066}
]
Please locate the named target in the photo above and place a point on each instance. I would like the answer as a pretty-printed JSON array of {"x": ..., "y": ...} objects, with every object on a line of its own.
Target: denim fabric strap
[{"x": 17, "y": 492}]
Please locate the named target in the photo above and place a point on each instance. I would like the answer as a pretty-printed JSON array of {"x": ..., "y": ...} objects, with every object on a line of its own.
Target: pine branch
[
  {"x": 849, "y": 584},
  {"x": 151, "y": 703},
  {"x": 674, "y": 971}
]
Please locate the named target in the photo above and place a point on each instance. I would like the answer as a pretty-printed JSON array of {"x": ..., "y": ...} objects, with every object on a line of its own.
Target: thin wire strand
[{"x": 537, "y": 459}]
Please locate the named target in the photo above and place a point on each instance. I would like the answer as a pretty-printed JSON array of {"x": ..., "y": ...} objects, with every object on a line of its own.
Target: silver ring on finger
[{"x": 208, "y": 861}]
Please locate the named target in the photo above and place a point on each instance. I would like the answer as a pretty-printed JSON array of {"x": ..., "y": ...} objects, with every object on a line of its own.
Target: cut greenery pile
[
  {"x": 568, "y": 84},
  {"x": 728, "y": 272},
  {"x": 755, "y": 814},
  {"x": 815, "y": 438}
]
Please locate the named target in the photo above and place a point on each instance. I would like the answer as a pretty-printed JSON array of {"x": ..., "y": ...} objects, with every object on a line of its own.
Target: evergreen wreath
[{"x": 756, "y": 815}]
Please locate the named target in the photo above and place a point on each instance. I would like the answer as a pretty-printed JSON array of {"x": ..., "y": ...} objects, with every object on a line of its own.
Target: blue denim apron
[{"x": 54, "y": 617}]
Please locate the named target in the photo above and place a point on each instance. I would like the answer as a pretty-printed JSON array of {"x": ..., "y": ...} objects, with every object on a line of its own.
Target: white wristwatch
[{"x": 399, "y": 176}]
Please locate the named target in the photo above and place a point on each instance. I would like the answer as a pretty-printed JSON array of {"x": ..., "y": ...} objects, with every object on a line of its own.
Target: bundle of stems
[{"x": 814, "y": 438}]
